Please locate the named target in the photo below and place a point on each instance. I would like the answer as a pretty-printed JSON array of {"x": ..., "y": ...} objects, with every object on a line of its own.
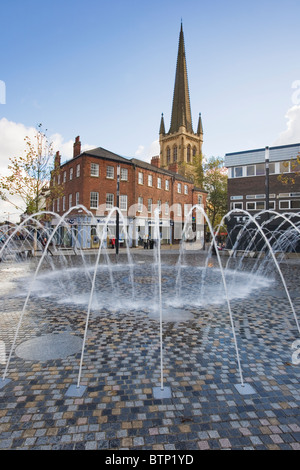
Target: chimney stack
[
  {"x": 77, "y": 147},
  {"x": 173, "y": 167},
  {"x": 57, "y": 160},
  {"x": 155, "y": 161}
]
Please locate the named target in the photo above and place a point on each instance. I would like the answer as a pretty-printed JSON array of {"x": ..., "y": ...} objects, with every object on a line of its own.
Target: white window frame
[
  {"x": 123, "y": 202},
  {"x": 70, "y": 201},
  {"x": 288, "y": 204},
  {"x": 77, "y": 198},
  {"x": 94, "y": 196},
  {"x": 158, "y": 183},
  {"x": 284, "y": 166},
  {"x": 159, "y": 206},
  {"x": 186, "y": 209},
  {"x": 140, "y": 178},
  {"x": 186, "y": 189},
  {"x": 124, "y": 174},
  {"x": 71, "y": 174},
  {"x": 110, "y": 172},
  {"x": 254, "y": 170},
  {"x": 235, "y": 170},
  {"x": 179, "y": 189},
  {"x": 274, "y": 168},
  {"x": 94, "y": 170},
  {"x": 167, "y": 208},
  {"x": 256, "y": 203},
  {"x": 109, "y": 204},
  {"x": 149, "y": 205},
  {"x": 260, "y": 165},
  {"x": 167, "y": 185},
  {"x": 78, "y": 170},
  {"x": 179, "y": 209},
  {"x": 249, "y": 204},
  {"x": 140, "y": 204},
  {"x": 272, "y": 205},
  {"x": 64, "y": 203},
  {"x": 291, "y": 202},
  {"x": 150, "y": 180},
  {"x": 263, "y": 203},
  {"x": 237, "y": 205}
]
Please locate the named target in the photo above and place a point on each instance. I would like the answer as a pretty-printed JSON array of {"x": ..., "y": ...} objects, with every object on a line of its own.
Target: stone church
[{"x": 180, "y": 145}]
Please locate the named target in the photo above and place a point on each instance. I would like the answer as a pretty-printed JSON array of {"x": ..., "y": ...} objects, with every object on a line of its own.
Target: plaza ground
[{"x": 122, "y": 365}]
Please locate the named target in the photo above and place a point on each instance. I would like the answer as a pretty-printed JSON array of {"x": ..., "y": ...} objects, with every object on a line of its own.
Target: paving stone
[{"x": 122, "y": 365}]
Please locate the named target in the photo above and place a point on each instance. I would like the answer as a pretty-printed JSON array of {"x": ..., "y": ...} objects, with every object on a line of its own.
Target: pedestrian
[
  {"x": 44, "y": 243},
  {"x": 145, "y": 242}
]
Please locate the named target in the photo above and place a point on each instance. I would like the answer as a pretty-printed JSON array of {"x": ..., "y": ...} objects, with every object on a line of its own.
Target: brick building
[{"x": 90, "y": 179}]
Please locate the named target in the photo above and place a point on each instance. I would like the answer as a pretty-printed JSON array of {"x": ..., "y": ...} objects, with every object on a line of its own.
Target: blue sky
[{"x": 105, "y": 70}]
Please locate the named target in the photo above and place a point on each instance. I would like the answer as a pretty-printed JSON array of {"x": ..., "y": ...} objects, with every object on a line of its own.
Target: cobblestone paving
[{"x": 122, "y": 365}]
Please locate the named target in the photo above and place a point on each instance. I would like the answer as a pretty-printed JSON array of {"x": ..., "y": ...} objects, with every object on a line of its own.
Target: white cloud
[
  {"x": 139, "y": 151},
  {"x": 154, "y": 149},
  {"x": 292, "y": 133},
  {"x": 146, "y": 153},
  {"x": 12, "y": 144},
  {"x": 66, "y": 148}
]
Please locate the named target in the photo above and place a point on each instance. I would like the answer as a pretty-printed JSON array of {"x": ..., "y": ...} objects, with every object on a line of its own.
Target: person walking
[{"x": 44, "y": 243}]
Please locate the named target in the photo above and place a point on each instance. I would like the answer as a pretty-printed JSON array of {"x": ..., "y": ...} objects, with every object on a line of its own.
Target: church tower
[{"x": 180, "y": 145}]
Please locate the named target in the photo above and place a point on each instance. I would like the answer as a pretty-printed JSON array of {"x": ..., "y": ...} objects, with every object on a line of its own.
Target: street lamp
[
  {"x": 267, "y": 190},
  {"x": 117, "y": 215}
]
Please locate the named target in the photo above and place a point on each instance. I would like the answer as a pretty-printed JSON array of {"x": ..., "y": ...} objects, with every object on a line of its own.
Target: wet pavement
[{"x": 121, "y": 365}]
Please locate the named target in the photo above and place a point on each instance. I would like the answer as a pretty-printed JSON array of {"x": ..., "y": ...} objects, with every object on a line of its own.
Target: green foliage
[
  {"x": 29, "y": 173},
  {"x": 198, "y": 170},
  {"x": 292, "y": 177},
  {"x": 215, "y": 182}
]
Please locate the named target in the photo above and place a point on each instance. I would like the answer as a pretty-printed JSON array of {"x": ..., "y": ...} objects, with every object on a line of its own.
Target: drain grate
[{"x": 49, "y": 347}]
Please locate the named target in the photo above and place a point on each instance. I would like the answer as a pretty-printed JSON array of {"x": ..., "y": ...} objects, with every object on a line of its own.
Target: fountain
[{"x": 163, "y": 292}]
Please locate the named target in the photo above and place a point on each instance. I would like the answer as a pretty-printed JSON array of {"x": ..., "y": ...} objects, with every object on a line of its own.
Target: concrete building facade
[
  {"x": 264, "y": 180},
  {"x": 247, "y": 179}
]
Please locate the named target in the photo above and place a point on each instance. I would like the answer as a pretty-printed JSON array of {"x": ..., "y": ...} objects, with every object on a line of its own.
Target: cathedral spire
[
  {"x": 180, "y": 145},
  {"x": 181, "y": 109},
  {"x": 162, "y": 126},
  {"x": 200, "y": 126}
]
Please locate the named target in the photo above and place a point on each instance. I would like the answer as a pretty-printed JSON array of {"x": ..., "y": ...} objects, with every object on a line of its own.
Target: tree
[
  {"x": 215, "y": 182},
  {"x": 294, "y": 174},
  {"x": 29, "y": 173},
  {"x": 193, "y": 171}
]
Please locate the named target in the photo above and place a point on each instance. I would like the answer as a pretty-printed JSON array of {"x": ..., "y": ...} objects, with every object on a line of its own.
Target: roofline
[
  {"x": 262, "y": 149},
  {"x": 129, "y": 161},
  {"x": 200, "y": 190},
  {"x": 141, "y": 163},
  {"x": 111, "y": 156}
]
